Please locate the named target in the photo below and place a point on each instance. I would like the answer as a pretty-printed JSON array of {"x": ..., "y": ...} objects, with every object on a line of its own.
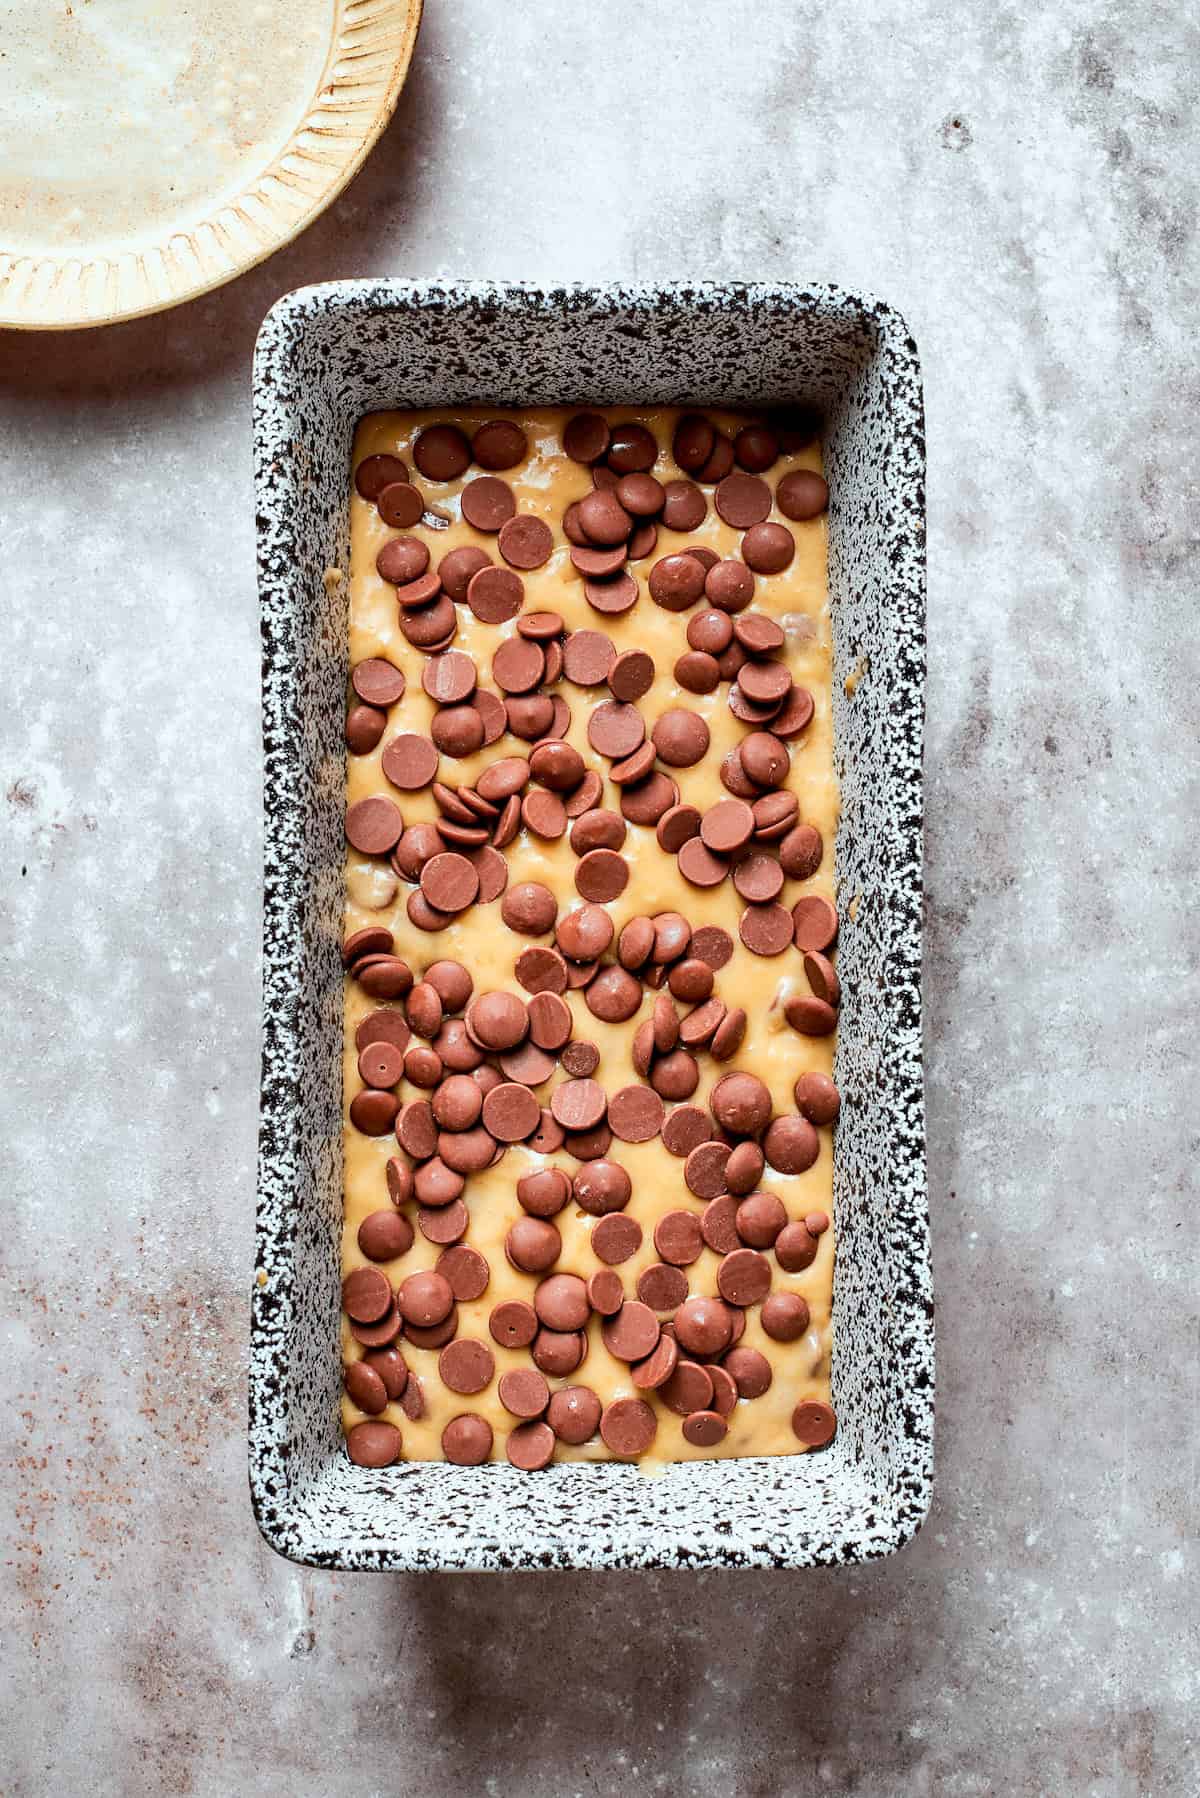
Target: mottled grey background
[{"x": 1021, "y": 182}]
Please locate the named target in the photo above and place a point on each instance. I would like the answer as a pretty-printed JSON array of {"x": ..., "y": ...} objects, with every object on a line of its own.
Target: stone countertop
[{"x": 1019, "y": 182}]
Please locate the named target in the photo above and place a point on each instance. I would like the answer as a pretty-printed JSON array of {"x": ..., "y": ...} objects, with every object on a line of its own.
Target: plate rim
[{"x": 357, "y": 28}]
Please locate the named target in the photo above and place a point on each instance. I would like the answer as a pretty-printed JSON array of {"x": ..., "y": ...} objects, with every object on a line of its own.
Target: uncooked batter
[{"x": 704, "y": 637}]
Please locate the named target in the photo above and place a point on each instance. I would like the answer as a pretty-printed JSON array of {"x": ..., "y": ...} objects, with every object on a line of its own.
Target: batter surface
[{"x": 544, "y": 482}]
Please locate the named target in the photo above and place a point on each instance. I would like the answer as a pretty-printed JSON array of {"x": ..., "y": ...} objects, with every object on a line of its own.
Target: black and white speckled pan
[{"x": 325, "y": 356}]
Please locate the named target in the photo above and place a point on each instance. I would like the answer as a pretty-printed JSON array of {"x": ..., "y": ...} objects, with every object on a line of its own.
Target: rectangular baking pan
[{"x": 325, "y": 356}]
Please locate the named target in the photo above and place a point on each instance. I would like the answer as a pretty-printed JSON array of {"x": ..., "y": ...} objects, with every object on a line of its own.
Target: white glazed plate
[{"x": 150, "y": 150}]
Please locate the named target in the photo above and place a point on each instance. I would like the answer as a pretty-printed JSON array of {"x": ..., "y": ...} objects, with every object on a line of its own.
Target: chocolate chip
[
  {"x": 784, "y": 1316},
  {"x": 557, "y": 765},
  {"x": 685, "y": 1129},
  {"x": 530, "y": 1447},
  {"x": 442, "y": 452},
  {"x": 494, "y": 594},
  {"x": 435, "y": 1181},
  {"x": 606, "y": 1295},
  {"x": 755, "y": 448},
  {"x": 603, "y": 520},
  {"x": 586, "y": 437},
  {"x": 678, "y": 1238},
  {"x": 450, "y": 883},
  {"x": 693, "y": 441},
  {"x": 768, "y": 548},
  {"x": 580, "y": 1059},
  {"x": 492, "y": 870},
  {"x": 381, "y": 1334},
  {"x": 467, "y": 1440},
  {"x": 499, "y": 444},
  {"x": 513, "y": 1324},
  {"x": 631, "y": 449},
  {"x": 377, "y": 1444},
  {"x": 526, "y": 542},
  {"x": 658, "y": 1366},
  {"x": 374, "y": 473},
  {"x": 544, "y": 1193},
  {"x": 703, "y": 1326},
  {"x": 366, "y": 1295},
  {"x": 635, "y": 1114},
  {"x": 741, "y": 1103},
  {"x": 584, "y": 933},
  {"x": 384, "y": 1235},
  {"x": 374, "y": 940},
  {"x": 511, "y": 1112},
  {"x": 372, "y": 1113},
  {"x": 400, "y": 505},
  {"x": 681, "y": 737},
  {"x": 677, "y": 826},
  {"x": 742, "y": 1174},
  {"x": 699, "y": 866},
  {"x": 558, "y": 1352},
  {"x": 643, "y": 541},
  {"x": 700, "y": 1025},
  {"x": 533, "y": 1244},
  {"x": 711, "y": 944},
  {"x": 814, "y": 922},
  {"x": 597, "y": 829},
  {"x": 466, "y": 1366},
  {"x": 601, "y": 1186},
  {"x": 614, "y": 995},
  {"x": 676, "y": 1076},
  {"x": 561, "y": 1302},
  {"x": 425, "y": 1298},
  {"x": 628, "y": 1427},
  {"x": 791, "y": 1145},
  {"x": 662, "y": 1287},
  {"x": 813, "y": 1423},
  {"x": 615, "y": 1238},
  {"x": 697, "y": 672},
  {"x": 378, "y": 682},
  {"x": 803, "y": 494},
  {"x": 742, "y": 500},
  {"x": 529, "y": 908},
  {"x": 765, "y": 929},
  {"x": 498, "y": 1020},
  {"x": 684, "y": 506},
  {"x": 758, "y": 878},
  {"x": 706, "y": 557},
  {"x": 523, "y": 1391},
  {"x": 727, "y": 826},
  {"x": 364, "y": 728},
  {"x": 704, "y": 1169},
  {"x": 541, "y": 971},
  {"x": 518, "y": 665},
  {"x": 631, "y": 675},
  {"x": 817, "y": 1098},
  {"x": 457, "y": 568},
  {"x": 588, "y": 657},
  {"x": 544, "y": 815},
  {"x": 602, "y": 875},
  {"x": 615, "y": 730},
  {"x": 720, "y": 460},
  {"x": 632, "y": 1333},
  {"x": 676, "y": 582},
  {"x": 704, "y": 1429},
  {"x": 443, "y": 1226},
  {"x": 640, "y": 494},
  {"x": 634, "y": 771},
  {"x": 410, "y": 762},
  {"x": 373, "y": 826},
  {"x": 800, "y": 850},
  {"x": 579, "y": 1104},
  {"x": 574, "y": 1414},
  {"x": 586, "y": 797}
]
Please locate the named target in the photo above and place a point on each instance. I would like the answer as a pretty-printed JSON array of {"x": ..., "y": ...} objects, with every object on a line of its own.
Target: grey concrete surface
[{"x": 1021, "y": 181}]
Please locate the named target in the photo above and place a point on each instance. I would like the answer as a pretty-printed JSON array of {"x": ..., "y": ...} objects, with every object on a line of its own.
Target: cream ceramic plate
[{"x": 151, "y": 149}]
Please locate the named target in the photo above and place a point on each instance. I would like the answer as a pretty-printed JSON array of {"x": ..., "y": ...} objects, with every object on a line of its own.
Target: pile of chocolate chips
[{"x": 480, "y": 1057}]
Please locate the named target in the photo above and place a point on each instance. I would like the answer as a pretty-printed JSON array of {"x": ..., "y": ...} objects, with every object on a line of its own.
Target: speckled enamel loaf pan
[{"x": 325, "y": 356}]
